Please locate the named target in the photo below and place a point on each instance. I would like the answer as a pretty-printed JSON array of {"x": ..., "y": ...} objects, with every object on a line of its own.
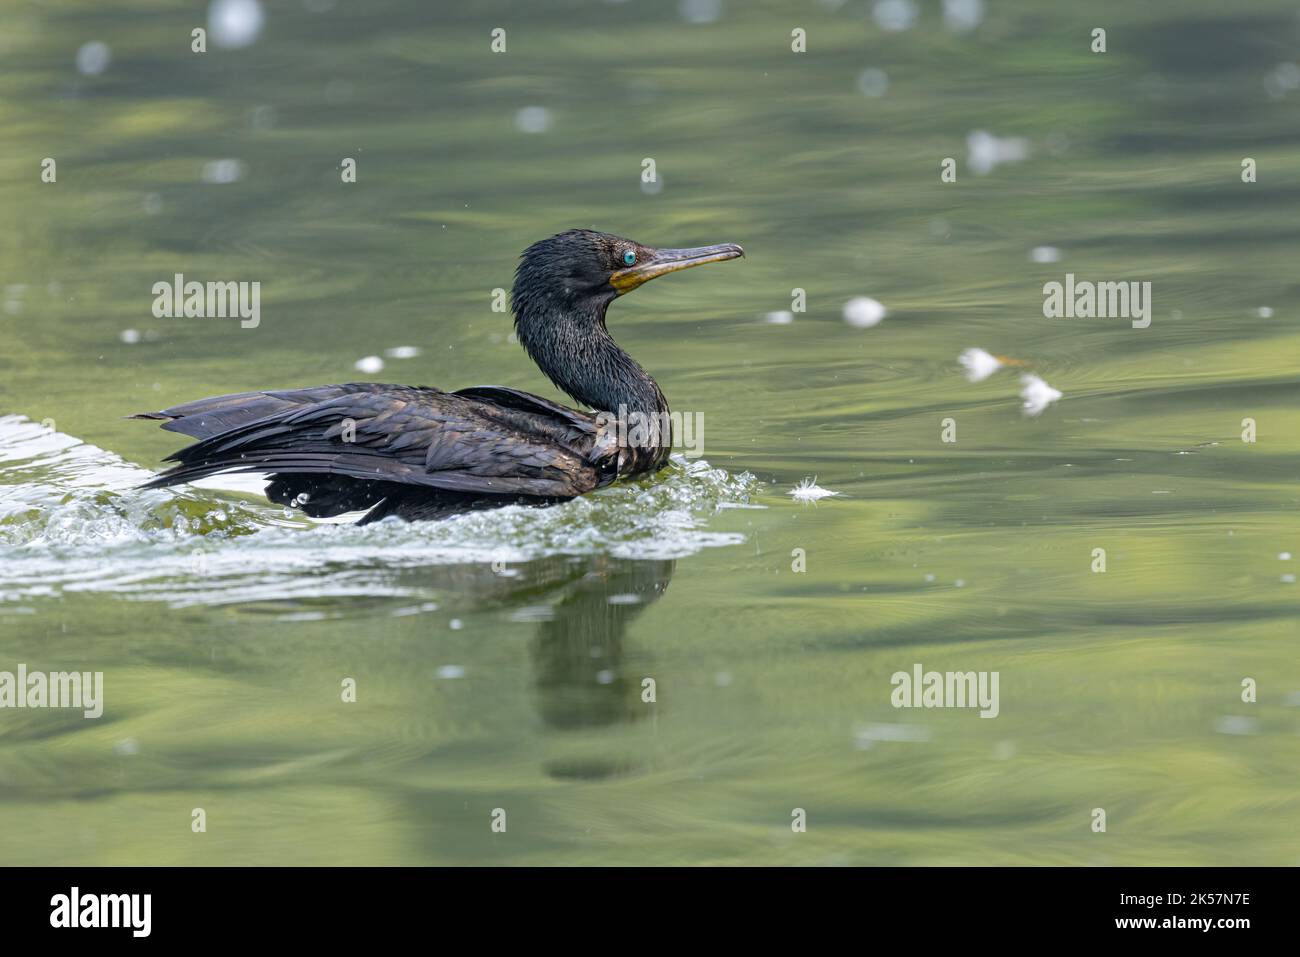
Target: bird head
[{"x": 583, "y": 265}]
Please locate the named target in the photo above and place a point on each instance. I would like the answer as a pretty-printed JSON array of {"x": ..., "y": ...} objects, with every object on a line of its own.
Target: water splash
[{"x": 72, "y": 520}]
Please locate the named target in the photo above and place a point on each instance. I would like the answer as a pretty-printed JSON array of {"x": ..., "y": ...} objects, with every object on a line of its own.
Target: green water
[{"x": 225, "y": 630}]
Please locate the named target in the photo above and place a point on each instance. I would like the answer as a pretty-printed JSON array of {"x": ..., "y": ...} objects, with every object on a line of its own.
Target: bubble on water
[
  {"x": 700, "y": 11},
  {"x": 654, "y": 187},
  {"x": 455, "y": 624},
  {"x": 153, "y": 204},
  {"x": 14, "y": 298},
  {"x": 605, "y": 677},
  {"x": 1265, "y": 312},
  {"x": 533, "y": 119},
  {"x": 868, "y": 736},
  {"x": 642, "y": 89},
  {"x": 369, "y": 365},
  {"x": 223, "y": 171},
  {"x": 1045, "y": 254},
  {"x": 780, "y": 318},
  {"x": 1235, "y": 724},
  {"x": 1282, "y": 80},
  {"x": 402, "y": 352},
  {"x": 962, "y": 16},
  {"x": 263, "y": 118},
  {"x": 451, "y": 671},
  {"x": 93, "y": 58},
  {"x": 873, "y": 82},
  {"x": 1057, "y": 143},
  {"x": 863, "y": 312},
  {"x": 1284, "y": 556},
  {"x": 339, "y": 91},
  {"x": 235, "y": 23},
  {"x": 894, "y": 15},
  {"x": 129, "y": 336},
  {"x": 127, "y": 747}
]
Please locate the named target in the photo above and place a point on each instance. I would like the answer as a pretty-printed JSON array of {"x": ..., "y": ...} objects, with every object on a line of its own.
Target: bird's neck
[{"x": 577, "y": 353}]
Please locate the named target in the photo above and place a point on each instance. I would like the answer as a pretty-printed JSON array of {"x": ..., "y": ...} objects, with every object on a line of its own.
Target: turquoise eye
[{"x": 629, "y": 258}]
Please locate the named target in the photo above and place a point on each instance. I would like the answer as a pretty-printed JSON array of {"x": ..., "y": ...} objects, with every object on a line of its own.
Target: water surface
[{"x": 500, "y": 658}]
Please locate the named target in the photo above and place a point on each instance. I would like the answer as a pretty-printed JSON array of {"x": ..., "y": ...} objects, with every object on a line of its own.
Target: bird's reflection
[
  {"x": 580, "y": 670},
  {"x": 582, "y": 607}
]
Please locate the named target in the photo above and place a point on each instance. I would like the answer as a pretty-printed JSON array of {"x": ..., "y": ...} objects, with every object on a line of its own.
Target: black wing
[{"x": 484, "y": 441}]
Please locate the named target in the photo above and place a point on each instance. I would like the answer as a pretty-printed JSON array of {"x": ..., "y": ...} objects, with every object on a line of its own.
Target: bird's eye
[{"x": 629, "y": 258}]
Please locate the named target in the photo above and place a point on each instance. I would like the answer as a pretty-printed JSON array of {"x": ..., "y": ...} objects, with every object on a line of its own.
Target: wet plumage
[{"x": 420, "y": 452}]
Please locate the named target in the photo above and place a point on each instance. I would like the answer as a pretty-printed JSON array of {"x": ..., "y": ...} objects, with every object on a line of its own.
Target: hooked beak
[{"x": 661, "y": 262}]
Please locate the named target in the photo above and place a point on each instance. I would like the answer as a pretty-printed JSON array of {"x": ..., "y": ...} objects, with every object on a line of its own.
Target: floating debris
[
  {"x": 985, "y": 152},
  {"x": 809, "y": 491},
  {"x": 862, "y": 312},
  {"x": 1037, "y": 394},
  {"x": 979, "y": 365}
]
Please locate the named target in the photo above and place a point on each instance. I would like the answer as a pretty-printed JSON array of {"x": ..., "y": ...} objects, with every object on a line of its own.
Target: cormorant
[{"x": 418, "y": 452}]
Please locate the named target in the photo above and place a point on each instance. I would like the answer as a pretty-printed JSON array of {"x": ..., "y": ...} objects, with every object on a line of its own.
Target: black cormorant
[{"x": 418, "y": 452}]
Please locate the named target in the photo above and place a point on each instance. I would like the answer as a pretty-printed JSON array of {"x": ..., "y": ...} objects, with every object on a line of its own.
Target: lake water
[{"x": 500, "y": 660}]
